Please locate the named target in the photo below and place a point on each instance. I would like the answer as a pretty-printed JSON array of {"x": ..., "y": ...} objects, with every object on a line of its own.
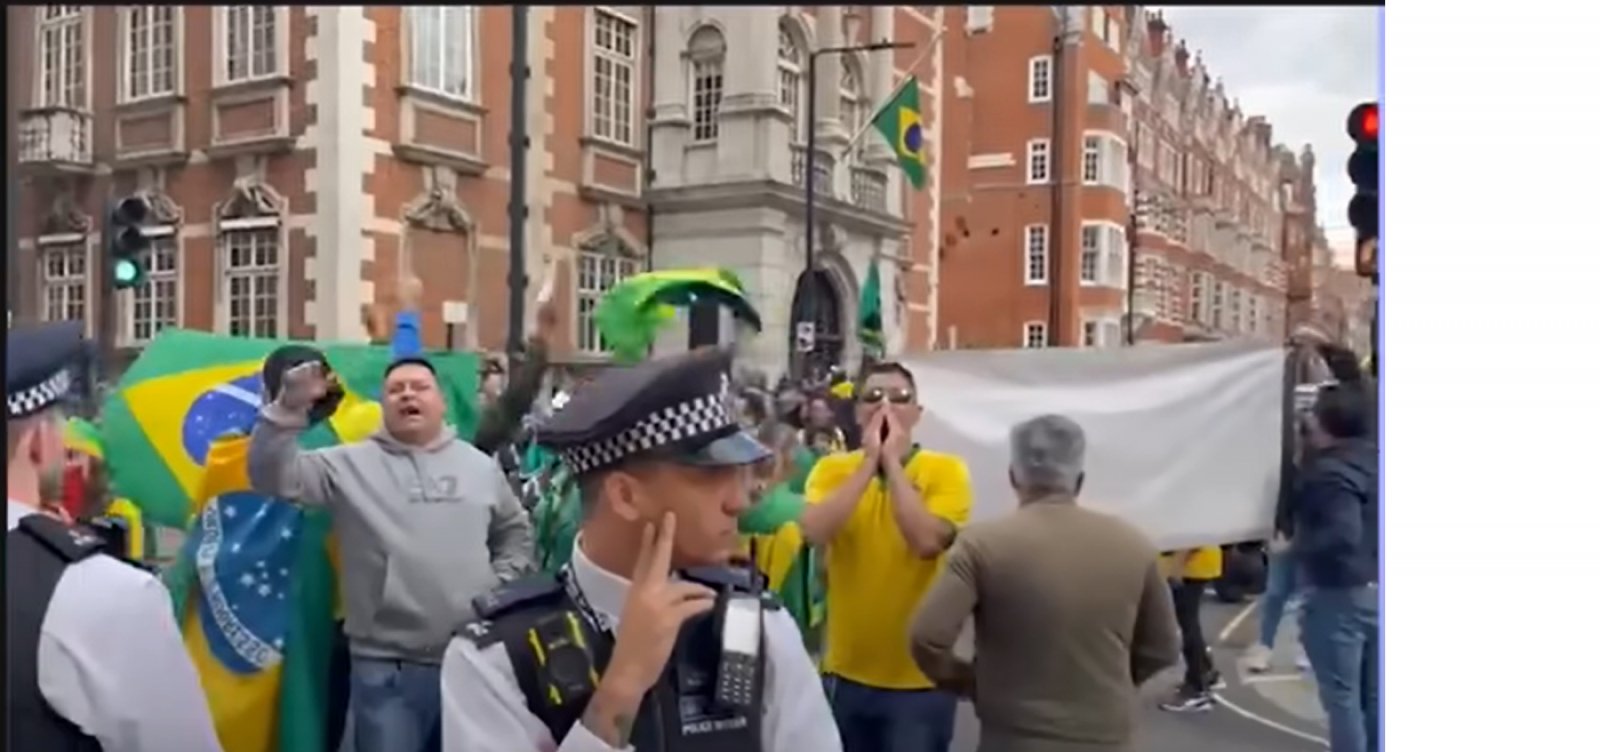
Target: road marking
[
  {"x": 1261, "y": 678},
  {"x": 1222, "y": 637}
]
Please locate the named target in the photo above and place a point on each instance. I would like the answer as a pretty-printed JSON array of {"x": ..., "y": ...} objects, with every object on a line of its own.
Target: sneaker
[
  {"x": 1257, "y": 659},
  {"x": 1188, "y": 701}
]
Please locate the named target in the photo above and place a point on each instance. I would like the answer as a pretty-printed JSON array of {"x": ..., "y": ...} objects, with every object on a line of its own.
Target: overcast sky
[{"x": 1302, "y": 68}]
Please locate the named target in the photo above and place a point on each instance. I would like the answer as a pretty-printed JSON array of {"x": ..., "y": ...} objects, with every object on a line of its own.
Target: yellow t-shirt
[
  {"x": 1204, "y": 563},
  {"x": 875, "y": 582}
]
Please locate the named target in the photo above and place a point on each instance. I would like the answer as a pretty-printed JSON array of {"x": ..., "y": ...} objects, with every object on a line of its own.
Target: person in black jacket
[{"x": 1335, "y": 519}]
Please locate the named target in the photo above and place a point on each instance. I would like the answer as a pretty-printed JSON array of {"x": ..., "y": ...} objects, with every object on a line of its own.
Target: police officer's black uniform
[
  {"x": 520, "y": 677},
  {"x": 73, "y": 685}
]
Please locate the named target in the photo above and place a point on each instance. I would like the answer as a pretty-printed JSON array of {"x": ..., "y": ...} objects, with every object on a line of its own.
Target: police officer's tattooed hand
[{"x": 656, "y": 609}]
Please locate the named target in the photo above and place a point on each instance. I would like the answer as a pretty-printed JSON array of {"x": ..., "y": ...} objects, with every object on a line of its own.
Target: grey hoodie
[{"x": 421, "y": 530}]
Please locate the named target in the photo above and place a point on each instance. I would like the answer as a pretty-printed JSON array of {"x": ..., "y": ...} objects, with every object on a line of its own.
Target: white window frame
[
  {"x": 792, "y": 80},
  {"x": 164, "y": 270},
  {"x": 1035, "y": 332},
  {"x": 72, "y": 64},
  {"x": 1107, "y": 154},
  {"x": 1199, "y": 287},
  {"x": 852, "y": 100},
  {"x": 1099, "y": 89},
  {"x": 128, "y": 79},
  {"x": 254, "y": 275},
  {"x": 1093, "y": 156},
  {"x": 66, "y": 248},
  {"x": 1036, "y": 234},
  {"x": 1037, "y": 154},
  {"x": 1114, "y": 35},
  {"x": 1041, "y": 79},
  {"x": 1109, "y": 267},
  {"x": 223, "y": 44},
  {"x": 611, "y": 66},
  {"x": 460, "y": 85},
  {"x": 706, "y": 67},
  {"x": 1219, "y": 291},
  {"x": 1097, "y": 20},
  {"x": 1090, "y": 334},
  {"x": 980, "y": 18},
  {"x": 589, "y": 287}
]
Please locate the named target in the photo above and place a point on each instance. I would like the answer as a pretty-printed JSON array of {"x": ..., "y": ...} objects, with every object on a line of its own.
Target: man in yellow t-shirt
[
  {"x": 1191, "y": 571},
  {"x": 886, "y": 514}
]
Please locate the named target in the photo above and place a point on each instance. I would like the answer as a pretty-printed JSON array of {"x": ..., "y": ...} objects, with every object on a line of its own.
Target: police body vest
[
  {"x": 38, "y": 553},
  {"x": 540, "y": 623}
]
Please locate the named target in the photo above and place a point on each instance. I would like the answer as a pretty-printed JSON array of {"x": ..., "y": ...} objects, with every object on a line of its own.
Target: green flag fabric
[
  {"x": 871, "y": 319},
  {"x": 633, "y": 310},
  {"x": 900, "y": 121}
]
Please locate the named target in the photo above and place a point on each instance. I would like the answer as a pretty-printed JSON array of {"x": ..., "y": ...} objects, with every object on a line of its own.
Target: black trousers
[{"x": 1186, "y": 597}]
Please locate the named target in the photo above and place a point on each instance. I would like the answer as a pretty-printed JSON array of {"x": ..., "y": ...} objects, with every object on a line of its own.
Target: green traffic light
[{"x": 126, "y": 273}]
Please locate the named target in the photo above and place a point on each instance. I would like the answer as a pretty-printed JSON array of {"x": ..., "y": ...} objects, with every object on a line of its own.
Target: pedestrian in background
[
  {"x": 885, "y": 515},
  {"x": 1190, "y": 572},
  {"x": 1336, "y": 542},
  {"x": 1075, "y": 611}
]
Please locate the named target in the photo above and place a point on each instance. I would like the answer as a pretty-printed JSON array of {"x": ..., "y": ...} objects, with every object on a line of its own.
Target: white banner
[{"x": 1183, "y": 439}]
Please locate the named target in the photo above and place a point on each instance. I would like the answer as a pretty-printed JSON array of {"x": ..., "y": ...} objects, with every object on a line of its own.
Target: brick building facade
[
  {"x": 303, "y": 161},
  {"x": 1168, "y": 192}
]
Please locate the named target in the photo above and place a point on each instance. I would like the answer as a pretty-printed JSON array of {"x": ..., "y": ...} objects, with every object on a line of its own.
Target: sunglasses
[{"x": 897, "y": 396}]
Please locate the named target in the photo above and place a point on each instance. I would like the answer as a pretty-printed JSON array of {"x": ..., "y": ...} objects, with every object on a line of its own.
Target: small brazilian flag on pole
[{"x": 900, "y": 121}]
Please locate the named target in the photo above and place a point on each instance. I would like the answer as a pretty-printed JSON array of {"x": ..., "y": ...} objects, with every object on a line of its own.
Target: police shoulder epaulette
[
  {"x": 516, "y": 594},
  {"x": 69, "y": 542}
]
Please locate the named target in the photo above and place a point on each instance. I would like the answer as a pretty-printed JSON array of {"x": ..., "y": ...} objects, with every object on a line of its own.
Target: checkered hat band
[
  {"x": 39, "y": 396},
  {"x": 686, "y": 420}
]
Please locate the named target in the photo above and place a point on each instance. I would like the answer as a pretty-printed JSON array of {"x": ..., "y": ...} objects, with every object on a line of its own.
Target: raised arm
[{"x": 277, "y": 465}]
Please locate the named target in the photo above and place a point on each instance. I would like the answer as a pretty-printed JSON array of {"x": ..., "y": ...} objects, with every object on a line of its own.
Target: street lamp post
[{"x": 808, "y": 286}]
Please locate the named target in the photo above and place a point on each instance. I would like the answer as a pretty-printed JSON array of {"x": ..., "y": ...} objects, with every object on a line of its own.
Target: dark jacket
[
  {"x": 1336, "y": 516},
  {"x": 501, "y": 420}
]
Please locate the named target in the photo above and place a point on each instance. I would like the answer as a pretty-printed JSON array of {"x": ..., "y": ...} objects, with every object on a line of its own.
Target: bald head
[{"x": 1047, "y": 455}]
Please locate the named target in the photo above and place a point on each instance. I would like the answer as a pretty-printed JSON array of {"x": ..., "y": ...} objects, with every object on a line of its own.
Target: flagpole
[{"x": 894, "y": 90}]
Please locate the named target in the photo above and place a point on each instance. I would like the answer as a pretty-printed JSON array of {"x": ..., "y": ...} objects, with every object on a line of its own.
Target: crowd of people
[{"x": 467, "y": 565}]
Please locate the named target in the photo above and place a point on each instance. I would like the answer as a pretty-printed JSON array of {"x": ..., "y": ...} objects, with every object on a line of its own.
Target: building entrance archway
[{"x": 817, "y": 300}]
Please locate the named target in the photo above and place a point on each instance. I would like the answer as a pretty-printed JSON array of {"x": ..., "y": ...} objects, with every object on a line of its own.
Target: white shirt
[
  {"x": 483, "y": 710},
  {"x": 112, "y": 661}
]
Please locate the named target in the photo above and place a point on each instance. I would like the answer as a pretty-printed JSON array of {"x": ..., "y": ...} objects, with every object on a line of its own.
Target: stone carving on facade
[
  {"x": 251, "y": 197},
  {"x": 65, "y": 217},
  {"x": 439, "y": 208},
  {"x": 609, "y": 236},
  {"x": 163, "y": 210}
]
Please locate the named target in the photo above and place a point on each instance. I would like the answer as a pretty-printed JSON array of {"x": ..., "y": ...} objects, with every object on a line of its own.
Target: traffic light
[
  {"x": 126, "y": 243},
  {"x": 1362, "y": 125}
]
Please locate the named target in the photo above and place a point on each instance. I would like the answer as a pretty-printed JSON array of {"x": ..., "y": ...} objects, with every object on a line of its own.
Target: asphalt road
[{"x": 1272, "y": 713}]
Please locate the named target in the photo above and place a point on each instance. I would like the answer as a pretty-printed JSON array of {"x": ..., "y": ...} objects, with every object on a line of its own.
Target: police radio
[{"x": 738, "y": 669}]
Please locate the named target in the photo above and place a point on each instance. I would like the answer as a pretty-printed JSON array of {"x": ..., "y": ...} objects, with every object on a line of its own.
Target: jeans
[
  {"x": 1339, "y": 628},
  {"x": 1282, "y": 579},
  {"x": 892, "y": 720},
  {"x": 1186, "y": 600},
  {"x": 394, "y": 705}
]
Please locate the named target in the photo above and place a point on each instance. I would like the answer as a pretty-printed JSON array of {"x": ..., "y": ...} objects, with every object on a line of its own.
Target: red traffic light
[{"x": 1362, "y": 124}]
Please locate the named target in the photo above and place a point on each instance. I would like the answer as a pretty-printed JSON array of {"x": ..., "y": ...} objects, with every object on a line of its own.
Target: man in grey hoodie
[{"x": 424, "y": 521}]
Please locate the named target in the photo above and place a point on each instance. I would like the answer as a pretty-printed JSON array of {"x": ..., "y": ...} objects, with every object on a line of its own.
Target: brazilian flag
[{"x": 900, "y": 121}]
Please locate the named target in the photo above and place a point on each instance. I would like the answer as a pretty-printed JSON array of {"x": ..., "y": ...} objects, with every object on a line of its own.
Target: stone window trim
[
  {"x": 622, "y": 58},
  {"x": 252, "y": 206},
  {"x": 705, "y": 57},
  {"x": 222, "y": 46},
  {"x": 414, "y": 22},
  {"x": 136, "y": 41},
  {"x": 65, "y": 55}
]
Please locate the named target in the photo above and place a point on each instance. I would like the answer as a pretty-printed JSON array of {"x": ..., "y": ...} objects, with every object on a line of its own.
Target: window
[
  {"x": 1146, "y": 146},
  {"x": 1105, "y": 161},
  {"x": 1099, "y": 90},
  {"x": 1235, "y": 320},
  {"x": 250, "y": 42},
  {"x": 1255, "y": 313},
  {"x": 1102, "y": 333},
  {"x": 442, "y": 49},
  {"x": 851, "y": 110},
  {"x": 155, "y": 304},
  {"x": 1103, "y": 255},
  {"x": 62, "y": 81},
  {"x": 252, "y": 268},
  {"x": 1040, "y": 79},
  {"x": 1197, "y": 296},
  {"x": 66, "y": 281},
  {"x": 980, "y": 17},
  {"x": 149, "y": 51},
  {"x": 1097, "y": 21},
  {"x": 615, "y": 50},
  {"x": 790, "y": 85},
  {"x": 1035, "y": 254},
  {"x": 1216, "y": 303},
  {"x": 706, "y": 54},
  {"x": 1113, "y": 35},
  {"x": 1033, "y": 335},
  {"x": 597, "y": 273},
  {"x": 1038, "y": 161},
  {"x": 1091, "y": 334}
]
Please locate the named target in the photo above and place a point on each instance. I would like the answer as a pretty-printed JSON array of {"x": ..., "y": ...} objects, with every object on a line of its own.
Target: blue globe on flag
[
  {"x": 224, "y": 409},
  {"x": 244, "y": 556}
]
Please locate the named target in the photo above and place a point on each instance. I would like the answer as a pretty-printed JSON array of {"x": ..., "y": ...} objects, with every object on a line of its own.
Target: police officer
[
  {"x": 74, "y": 686},
  {"x": 637, "y": 644}
]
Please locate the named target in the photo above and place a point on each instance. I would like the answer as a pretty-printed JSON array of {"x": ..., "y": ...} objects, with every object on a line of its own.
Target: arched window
[
  {"x": 707, "y": 51},
  {"x": 852, "y": 110},
  {"x": 791, "y": 93}
]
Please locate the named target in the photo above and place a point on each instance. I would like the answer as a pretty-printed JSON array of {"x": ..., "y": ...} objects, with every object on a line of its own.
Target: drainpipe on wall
[
  {"x": 649, "y": 141},
  {"x": 1058, "y": 172},
  {"x": 517, "y": 276}
]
